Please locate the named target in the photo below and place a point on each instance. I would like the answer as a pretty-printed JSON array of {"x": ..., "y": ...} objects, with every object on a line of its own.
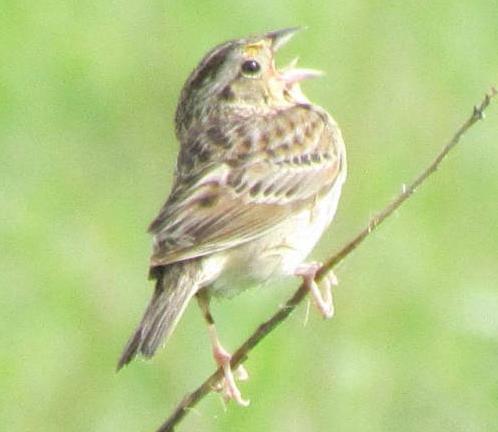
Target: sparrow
[{"x": 257, "y": 181}]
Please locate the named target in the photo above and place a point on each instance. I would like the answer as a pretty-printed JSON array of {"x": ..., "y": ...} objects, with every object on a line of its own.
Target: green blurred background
[{"x": 87, "y": 95}]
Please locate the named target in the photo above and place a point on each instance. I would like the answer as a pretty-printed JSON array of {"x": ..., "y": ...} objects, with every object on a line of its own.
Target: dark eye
[{"x": 251, "y": 67}]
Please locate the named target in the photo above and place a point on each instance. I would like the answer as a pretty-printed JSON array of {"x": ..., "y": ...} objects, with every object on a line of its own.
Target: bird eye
[{"x": 251, "y": 67}]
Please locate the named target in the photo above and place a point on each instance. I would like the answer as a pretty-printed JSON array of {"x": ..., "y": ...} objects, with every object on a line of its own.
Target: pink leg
[
  {"x": 222, "y": 358},
  {"x": 324, "y": 302}
]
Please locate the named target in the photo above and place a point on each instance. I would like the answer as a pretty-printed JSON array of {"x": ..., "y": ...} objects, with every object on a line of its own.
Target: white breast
[{"x": 278, "y": 253}]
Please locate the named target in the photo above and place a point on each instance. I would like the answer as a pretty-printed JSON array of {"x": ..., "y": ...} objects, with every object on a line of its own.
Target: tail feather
[{"x": 175, "y": 286}]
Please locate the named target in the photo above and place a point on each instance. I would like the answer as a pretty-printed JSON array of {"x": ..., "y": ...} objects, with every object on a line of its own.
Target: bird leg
[
  {"x": 222, "y": 357},
  {"x": 323, "y": 301}
]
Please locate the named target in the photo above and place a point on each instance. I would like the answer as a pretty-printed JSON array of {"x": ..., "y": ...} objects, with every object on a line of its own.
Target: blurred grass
[{"x": 87, "y": 95}]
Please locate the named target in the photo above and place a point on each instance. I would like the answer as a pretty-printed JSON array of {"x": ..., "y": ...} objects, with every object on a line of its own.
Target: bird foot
[
  {"x": 324, "y": 302},
  {"x": 227, "y": 385}
]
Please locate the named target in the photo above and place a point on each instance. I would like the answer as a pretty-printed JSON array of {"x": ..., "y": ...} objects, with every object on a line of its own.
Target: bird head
[{"x": 242, "y": 73}]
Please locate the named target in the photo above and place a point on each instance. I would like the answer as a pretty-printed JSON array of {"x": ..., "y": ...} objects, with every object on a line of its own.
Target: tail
[{"x": 175, "y": 286}]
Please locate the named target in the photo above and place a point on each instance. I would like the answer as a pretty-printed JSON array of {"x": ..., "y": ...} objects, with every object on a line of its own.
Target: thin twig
[{"x": 191, "y": 399}]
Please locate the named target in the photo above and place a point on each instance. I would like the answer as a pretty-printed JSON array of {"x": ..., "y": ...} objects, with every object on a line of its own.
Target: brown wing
[{"x": 241, "y": 198}]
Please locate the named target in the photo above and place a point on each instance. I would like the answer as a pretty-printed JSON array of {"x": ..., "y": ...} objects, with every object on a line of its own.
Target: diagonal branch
[{"x": 191, "y": 399}]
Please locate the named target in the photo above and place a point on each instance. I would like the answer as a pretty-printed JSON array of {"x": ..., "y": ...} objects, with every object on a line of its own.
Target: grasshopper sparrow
[{"x": 257, "y": 181}]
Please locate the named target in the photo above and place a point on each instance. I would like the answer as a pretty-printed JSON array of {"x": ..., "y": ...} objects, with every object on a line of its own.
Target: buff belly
[{"x": 273, "y": 255}]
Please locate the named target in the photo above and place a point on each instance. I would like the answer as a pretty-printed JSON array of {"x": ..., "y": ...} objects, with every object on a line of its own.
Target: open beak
[
  {"x": 290, "y": 74},
  {"x": 279, "y": 38}
]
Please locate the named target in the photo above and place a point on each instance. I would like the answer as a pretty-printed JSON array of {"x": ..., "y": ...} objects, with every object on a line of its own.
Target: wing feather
[{"x": 235, "y": 201}]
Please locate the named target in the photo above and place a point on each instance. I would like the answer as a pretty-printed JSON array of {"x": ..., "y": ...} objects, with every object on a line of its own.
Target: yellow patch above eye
[{"x": 253, "y": 49}]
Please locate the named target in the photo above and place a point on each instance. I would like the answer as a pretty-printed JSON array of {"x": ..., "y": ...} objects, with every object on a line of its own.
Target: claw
[
  {"x": 241, "y": 373},
  {"x": 323, "y": 302},
  {"x": 222, "y": 358},
  {"x": 227, "y": 386}
]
